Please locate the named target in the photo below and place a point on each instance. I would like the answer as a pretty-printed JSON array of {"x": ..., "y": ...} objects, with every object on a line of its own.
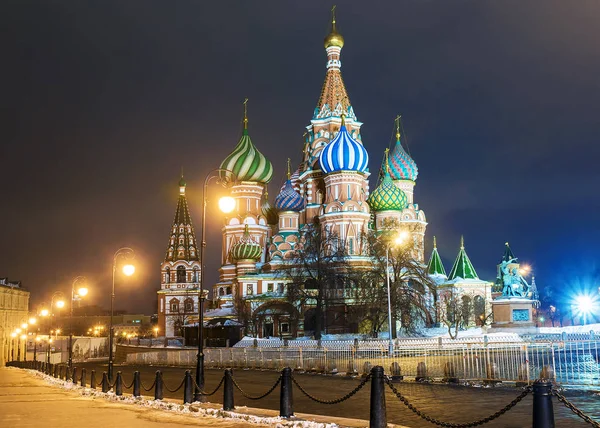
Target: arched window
[
  {"x": 174, "y": 306},
  {"x": 195, "y": 274},
  {"x": 181, "y": 274},
  {"x": 228, "y": 290},
  {"x": 167, "y": 275},
  {"x": 188, "y": 305},
  {"x": 221, "y": 291}
]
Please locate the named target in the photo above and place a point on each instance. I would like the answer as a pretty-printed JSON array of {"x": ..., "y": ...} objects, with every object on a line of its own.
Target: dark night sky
[{"x": 103, "y": 102}]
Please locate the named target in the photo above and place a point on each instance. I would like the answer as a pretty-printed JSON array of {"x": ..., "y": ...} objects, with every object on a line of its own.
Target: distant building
[{"x": 14, "y": 311}]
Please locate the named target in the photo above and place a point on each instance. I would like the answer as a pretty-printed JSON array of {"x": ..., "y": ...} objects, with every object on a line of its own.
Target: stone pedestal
[{"x": 515, "y": 312}]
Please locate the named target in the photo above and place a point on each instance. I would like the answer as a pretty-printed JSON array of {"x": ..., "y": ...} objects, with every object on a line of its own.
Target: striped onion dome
[
  {"x": 268, "y": 211},
  {"x": 247, "y": 163},
  {"x": 402, "y": 166},
  {"x": 246, "y": 248},
  {"x": 343, "y": 153},
  {"x": 288, "y": 199},
  {"x": 387, "y": 196}
]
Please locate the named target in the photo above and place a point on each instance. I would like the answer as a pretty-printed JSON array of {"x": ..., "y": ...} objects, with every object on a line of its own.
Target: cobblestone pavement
[{"x": 450, "y": 403}]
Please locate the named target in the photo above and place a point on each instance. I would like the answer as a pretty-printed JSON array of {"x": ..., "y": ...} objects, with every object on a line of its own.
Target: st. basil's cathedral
[{"x": 330, "y": 184}]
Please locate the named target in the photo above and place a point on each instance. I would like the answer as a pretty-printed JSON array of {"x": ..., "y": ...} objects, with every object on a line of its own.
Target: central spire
[{"x": 334, "y": 98}]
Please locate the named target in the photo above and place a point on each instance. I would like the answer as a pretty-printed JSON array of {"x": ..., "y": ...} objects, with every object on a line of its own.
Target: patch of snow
[{"x": 193, "y": 409}]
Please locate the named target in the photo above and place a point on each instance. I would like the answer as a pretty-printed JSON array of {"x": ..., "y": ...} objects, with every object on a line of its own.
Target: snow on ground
[
  {"x": 188, "y": 409},
  {"x": 572, "y": 329}
]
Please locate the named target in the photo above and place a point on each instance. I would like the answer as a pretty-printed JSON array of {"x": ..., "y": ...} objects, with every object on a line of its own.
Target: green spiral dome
[
  {"x": 246, "y": 248},
  {"x": 247, "y": 163},
  {"x": 387, "y": 196}
]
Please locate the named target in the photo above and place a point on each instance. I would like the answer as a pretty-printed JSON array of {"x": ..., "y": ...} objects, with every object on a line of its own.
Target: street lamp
[
  {"x": 24, "y": 326},
  {"x": 12, "y": 348},
  {"x": 398, "y": 241},
  {"x": 127, "y": 254},
  {"x": 226, "y": 204},
  {"x": 82, "y": 291}
]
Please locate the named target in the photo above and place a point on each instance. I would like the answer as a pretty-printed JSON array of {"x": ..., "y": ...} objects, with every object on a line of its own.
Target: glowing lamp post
[
  {"x": 398, "y": 241},
  {"x": 81, "y": 292},
  {"x": 226, "y": 204},
  {"x": 128, "y": 270},
  {"x": 585, "y": 305}
]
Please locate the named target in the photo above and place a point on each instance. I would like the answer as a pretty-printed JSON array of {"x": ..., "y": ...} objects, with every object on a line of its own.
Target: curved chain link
[
  {"x": 574, "y": 409},
  {"x": 208, "y": 394},
  {"x": 172, "y": 390},
  {"x": 493, "y": 416},
  {"x": 251, "y": 397},
  {"x": 130, "y": 385},
  {"x": 148, "y": 389},
  {"x": 338, "y": 400}
]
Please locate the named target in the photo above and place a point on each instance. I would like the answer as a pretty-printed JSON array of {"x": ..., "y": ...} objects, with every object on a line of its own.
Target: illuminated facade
[
  {"x": 180, "y": 272},
  {"x": 330, "y": 184},
  {"x": 14, "y": 311}
]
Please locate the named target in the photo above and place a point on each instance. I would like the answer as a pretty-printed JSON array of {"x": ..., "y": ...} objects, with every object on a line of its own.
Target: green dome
[
  {"x": 246, "y": 248},
  {"x": 247, "y": 163},
  {"x": 387, "y": 196}
]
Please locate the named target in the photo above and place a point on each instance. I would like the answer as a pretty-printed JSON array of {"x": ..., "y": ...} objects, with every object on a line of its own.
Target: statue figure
[
  {"x": 507, "y": 280},
  {"x": 514, "y": 284}
]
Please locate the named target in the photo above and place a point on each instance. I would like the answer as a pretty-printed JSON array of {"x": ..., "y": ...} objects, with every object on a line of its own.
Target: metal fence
[{"x": 477, "y": 360}]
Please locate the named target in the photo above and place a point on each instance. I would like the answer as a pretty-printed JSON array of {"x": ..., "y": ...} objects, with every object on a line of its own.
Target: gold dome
[{"x": 334, "y": 39}]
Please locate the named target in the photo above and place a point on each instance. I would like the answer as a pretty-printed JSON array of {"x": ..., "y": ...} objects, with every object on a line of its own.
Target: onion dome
[
  {"x": 246, "y": 162},
  {"x": 402, "y": 166},
  {"x": 288, "y": 199},
  {"x": 246, "y": 248},
  {"x": 333, "y": 38},
  {"x": 267, "y": 209},
  {"x": 343, "y": 153},
  {"x": 387, "y": 196}
]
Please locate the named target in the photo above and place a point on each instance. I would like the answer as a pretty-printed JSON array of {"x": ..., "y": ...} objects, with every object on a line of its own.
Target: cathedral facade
[{"x": 329, "y": 185}]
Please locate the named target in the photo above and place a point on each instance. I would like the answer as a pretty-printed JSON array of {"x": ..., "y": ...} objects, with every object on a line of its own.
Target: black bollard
[
  {"x": 158, "y": 388},
  {"x": 136, "y": 384},
  {"x": 74, "y": 374},
  {"x": 228, "y": 391},
  {"x": 119, "y": 384},
  {"x": 286, "y": 401},
  {"x": 55, "y": 374},
  {"x": 105, "y": 383},
  {"x": 93, "y": 379},
  {"x": 83, "y": 377},
  {"x": 378, "y": 418},
  {"x": 67, "y": 373},
  {"x": 543, "y": 413},
  {"x": 187, "y": 387}
]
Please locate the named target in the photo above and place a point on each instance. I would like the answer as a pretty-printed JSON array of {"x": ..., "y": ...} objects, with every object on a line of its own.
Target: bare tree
[
  {"x": 456, "y": 310},
  {"x": 411, "y": 289},
  {"x": 317, "y": 270},
  {"x": 244, "y": 314}
]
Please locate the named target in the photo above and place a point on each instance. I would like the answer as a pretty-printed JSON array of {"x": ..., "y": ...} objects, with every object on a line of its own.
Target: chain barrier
[
  {"x": 493, "y": 416},
  {"x": 251, "y": 397},
  {"x": 125, "y": 386},
  {"x": 151, "y": 386},
  {"x": 338, "y": 400},
  {"x": 207, "y": 394},
  {"x": 574, "y": 409},
  {"x": 173, "y": 390}
]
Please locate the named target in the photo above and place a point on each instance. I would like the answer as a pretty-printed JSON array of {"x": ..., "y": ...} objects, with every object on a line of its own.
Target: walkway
[{"x": 29, "y": 401}]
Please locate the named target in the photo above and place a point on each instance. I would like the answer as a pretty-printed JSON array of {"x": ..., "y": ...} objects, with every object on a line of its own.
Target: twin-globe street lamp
[
  {"x": 226, "y": 204},
  {"x": 128, "y": 269},
  {"x": 399, "y": 240},
  {"x": 81, "y": 292}
]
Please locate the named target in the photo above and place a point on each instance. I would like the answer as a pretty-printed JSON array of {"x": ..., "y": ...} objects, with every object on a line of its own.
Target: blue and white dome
[
  {"x": 288, "y": 199},
  {"x": 343, "y": 153}
]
